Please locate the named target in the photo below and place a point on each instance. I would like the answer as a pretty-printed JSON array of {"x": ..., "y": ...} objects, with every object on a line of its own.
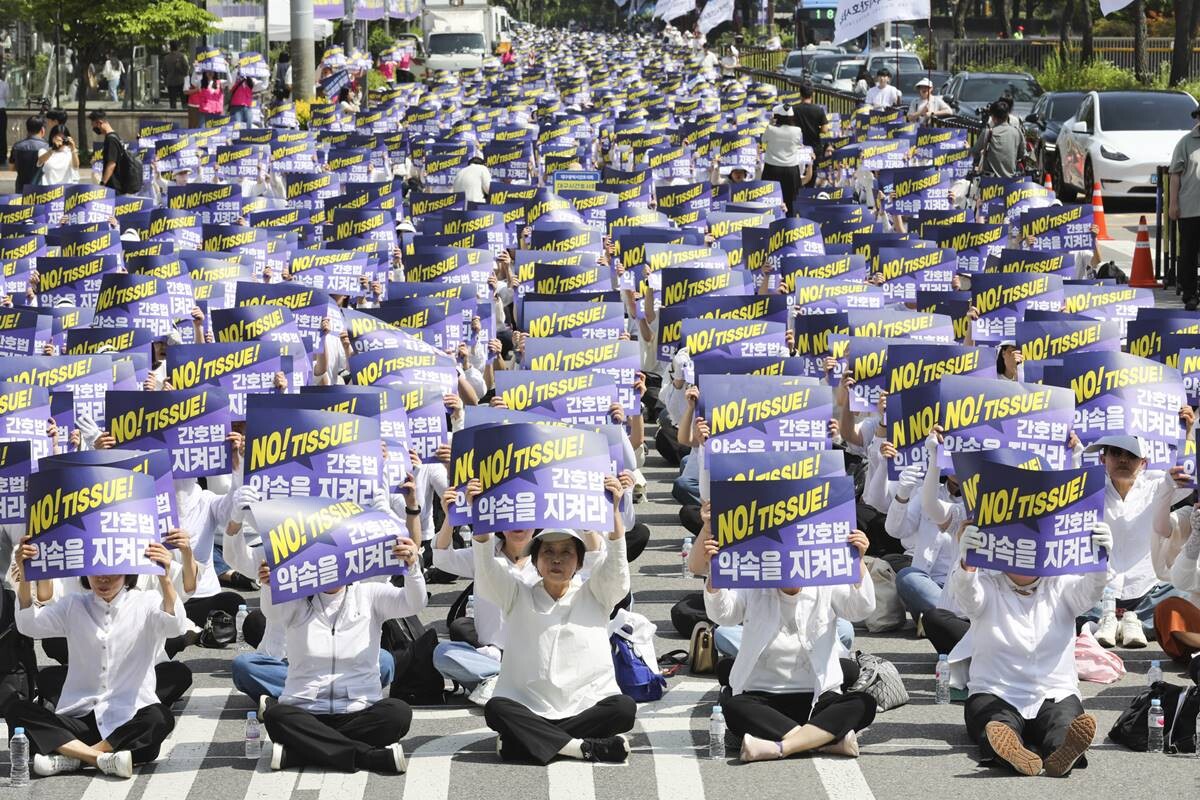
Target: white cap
[
  {"x": 1130, "y": 444},
  {"x": 782, "y": 110},
  {"x": 924, "y": 82},
  {"x": 553, "y": 535}
]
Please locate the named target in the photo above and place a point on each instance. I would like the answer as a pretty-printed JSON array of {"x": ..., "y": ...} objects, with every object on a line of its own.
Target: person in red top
[{"x": 242, "y": 101}]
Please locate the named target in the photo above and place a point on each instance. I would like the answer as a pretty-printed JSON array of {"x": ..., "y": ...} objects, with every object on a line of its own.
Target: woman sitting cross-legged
[{"x": 784, "y": 695}]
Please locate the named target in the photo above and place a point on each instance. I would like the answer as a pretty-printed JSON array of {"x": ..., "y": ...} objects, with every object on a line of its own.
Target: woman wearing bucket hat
[
  {"x": 557, "y": 694},
  {"x": 785, "y": 158},
  {"x": 927, "y": 105}
]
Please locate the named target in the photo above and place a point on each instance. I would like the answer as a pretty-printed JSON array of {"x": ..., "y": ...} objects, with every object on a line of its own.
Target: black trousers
[
  {"x": 142, "y": 735},
  {"x": 336, "y": 741},
  {"x": 1043, "y": 735},
  {"x": 770, "y": 716},
  {"x": 172, "y": 679},
  {"x": 944, "y": 629},
  {"x": 254, "y": 628},
  {"x": 525, "y": 736},
  {"x": 174, "y": 94},
  {"x": 666, "y": 441},
  {"x": 1189, "y": 250},
  {"x": 788, "y": 179},
  {"x": 198, "y": 608},
  {"x": 636, "y": 539}
]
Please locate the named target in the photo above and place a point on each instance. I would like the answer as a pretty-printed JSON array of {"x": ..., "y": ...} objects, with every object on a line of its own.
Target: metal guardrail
[
  {"x": 846, "y": 103},
  {"x": 1034, "y": 53}
]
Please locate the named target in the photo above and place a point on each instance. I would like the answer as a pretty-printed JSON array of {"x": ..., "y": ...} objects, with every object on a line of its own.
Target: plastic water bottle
[
  {"x": 470, "y": 609},
  {"x": 716, "y": 734},
  {"x": 1108, "y": 603},
  {"x": 240, "y": 622},
  {"x": 941, "y": 680},
  {"x": 1155, "y": 722},
  {"x": 253, "y": 736},
  {"x": 1154, "y": 674},
  {"x": 685, "y": 551},
  {"x": 18, "y": 755}
]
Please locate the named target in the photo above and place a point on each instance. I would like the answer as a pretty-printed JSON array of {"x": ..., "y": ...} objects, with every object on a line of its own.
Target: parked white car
[{"x": 1120, "y": 139}]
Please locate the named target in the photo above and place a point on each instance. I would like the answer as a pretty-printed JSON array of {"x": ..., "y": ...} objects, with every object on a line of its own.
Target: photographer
[
  {"x": 1001, "y": 144},
  {"x": 59, "y": 164}
]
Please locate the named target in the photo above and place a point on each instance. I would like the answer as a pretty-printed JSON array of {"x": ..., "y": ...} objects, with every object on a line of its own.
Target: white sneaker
[
  {"x": 1132, "y": 635},
  {"x": 55, "y": 764},
  {"x": 483, "y": 692},
  {"x": 1106, "y": 630},
  {"x": 398, "y": 754},
  {"x": 276, "y": 755},
  {"x": 118, "y": 764}
]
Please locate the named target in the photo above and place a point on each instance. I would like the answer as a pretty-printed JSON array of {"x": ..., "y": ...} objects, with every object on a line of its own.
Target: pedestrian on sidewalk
[
  {"x": 1184, "y": 193},
  {"x": 175, "y": 69}
]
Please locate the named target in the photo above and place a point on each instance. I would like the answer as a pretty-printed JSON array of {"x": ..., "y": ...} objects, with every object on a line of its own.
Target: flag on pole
[
  {"x": 716, "y": 12},
  {"x": 856, "y": 17}
]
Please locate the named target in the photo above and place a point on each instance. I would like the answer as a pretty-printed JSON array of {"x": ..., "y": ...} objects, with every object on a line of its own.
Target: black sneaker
[
  {"x": 610, "y": 749},
  {"x": 238, "y": 582},
  {"x": 435, "y": 575}
]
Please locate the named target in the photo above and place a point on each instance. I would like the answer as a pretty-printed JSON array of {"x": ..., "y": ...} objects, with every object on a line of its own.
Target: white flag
[
  {"x": 673, "y": 9},
  {"x": 856, "y": 17},
  {"x": 1109, "y": 6},
  {"x": 716, "y": 12}
]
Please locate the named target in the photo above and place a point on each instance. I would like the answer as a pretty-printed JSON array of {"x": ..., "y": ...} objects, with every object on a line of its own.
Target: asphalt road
[{"x": 919, "y": 750}]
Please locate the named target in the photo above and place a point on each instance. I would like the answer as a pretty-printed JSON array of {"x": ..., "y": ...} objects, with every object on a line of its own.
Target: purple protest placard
[
  {"x": 314, "y": 544},
  {"x": 619, "y": 360},
  {"x": 155, "y": 463},
  {"x": 536, "y": 476},
  {"x": 192, "y": 424},
  {"x": 90, "y": 521},
  {"x": 25, "y": 411},
  {"x": 575, "y": 397},
  {"x": 765, "y": 413},
  {"x": 16, "y": 465},
  {"x": 1039, "y": 522},
  {"x": 240, "y": 368},
  {"x": 784, "y": 533},
  {"x": 1116, "y": 393},
  {"x": 988, "y": 414},
  {"x": 305, "y": 453}
]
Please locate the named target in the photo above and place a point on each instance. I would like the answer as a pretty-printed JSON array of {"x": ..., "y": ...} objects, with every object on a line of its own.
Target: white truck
[{"x": 460, "y": 34}]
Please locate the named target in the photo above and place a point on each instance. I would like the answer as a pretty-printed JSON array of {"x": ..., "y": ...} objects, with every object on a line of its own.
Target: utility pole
[
  {"x": 348, "y": 28},
  {"x": 303, "y": 65}
]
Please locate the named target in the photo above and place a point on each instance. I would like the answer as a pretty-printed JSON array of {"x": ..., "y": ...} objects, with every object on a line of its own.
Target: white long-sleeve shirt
[
  {"x": 1136, "y": 521},
  {"x": 558, "y": 661},
  {"x": 202, "y": 513},
  {"x": 1023, "y": 645},
  {"x": 113, "y": 647},
  {"x": 760, "y": 611},
  {"x": 333, "y": 643}
]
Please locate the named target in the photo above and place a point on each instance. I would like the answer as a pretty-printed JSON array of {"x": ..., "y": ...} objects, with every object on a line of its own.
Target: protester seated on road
[
  {"x": 108, "y": 715},
  {"x": 557, "y": 694},
  {"x": 1177, "y": 619},
  {"x": 926, "y": 528},
  {"x": 785, "y": 688},
  {"x": 1024, "y": 709},
  {"x": 332, "y": 712},
  {"x": 1137, "y": 504}
]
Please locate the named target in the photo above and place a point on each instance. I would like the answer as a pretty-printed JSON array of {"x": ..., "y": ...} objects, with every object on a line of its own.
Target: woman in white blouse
[
  {"x": 784, "y": 695},
  {"x": 108, "y": 715},
  {"x": 1023, "y": 705},
  {"x": 332, "y": 712},
  {"x": 557, "y": 694},
  {"x": 60, "y": 164},
  {"x": 785, "y": 158}
]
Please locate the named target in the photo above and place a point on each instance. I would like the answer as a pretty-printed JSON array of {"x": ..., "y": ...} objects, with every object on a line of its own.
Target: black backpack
[
  {"x": 18, "y": 662},
  {"x": 687, "y": 612},
  {"x": 127, "y": 177},
  {"x": 416, "y": 681},
  {"x": 1180, "y": 706}
]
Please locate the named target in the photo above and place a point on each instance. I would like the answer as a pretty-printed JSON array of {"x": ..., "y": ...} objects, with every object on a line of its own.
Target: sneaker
[
  {"x": 265, "y": 702},
  {"x": 237, "y": 581},
  {"x": 1009, "y": 748},
  {"x": 848, "y": 746},
  {"x": 609, "y": 750},
  {"x": 440, "y": 576},
  {"x": 55, "y": 764},
  {"x": 1131, "y": 633},
  {"x": 483, "y": 692},
  {"x": 1080, "y": 734},
  {"x": 1106, "y": 631},
  {"x": 276, "y": 755},
  {"x": 397, "y": 751},
  {"x": 118, "y": 764}
]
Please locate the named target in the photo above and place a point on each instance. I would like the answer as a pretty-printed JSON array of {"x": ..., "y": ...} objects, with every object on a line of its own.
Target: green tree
[{"x": 94, "y": 28}]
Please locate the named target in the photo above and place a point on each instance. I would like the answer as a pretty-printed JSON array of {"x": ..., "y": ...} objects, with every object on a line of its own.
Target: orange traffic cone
[
  {"x": 1098, "y": 214},
  {"x": 1142, "y": 274},
  {"x": 1048, "y": 183}
]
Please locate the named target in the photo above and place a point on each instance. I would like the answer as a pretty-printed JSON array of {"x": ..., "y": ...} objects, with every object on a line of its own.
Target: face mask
[{"x": 96, "y": 130}]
